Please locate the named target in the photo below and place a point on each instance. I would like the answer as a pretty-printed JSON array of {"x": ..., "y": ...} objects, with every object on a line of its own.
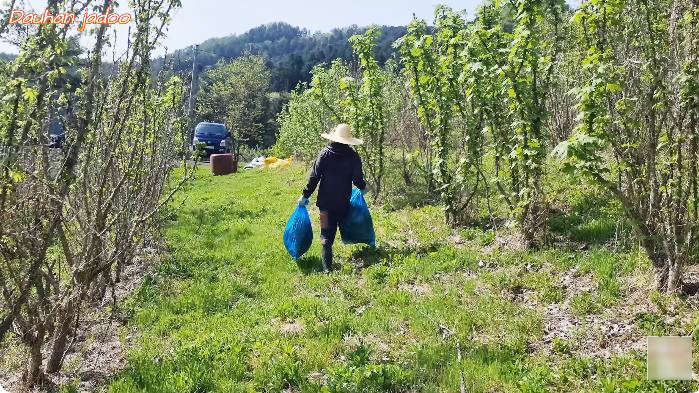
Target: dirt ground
[{"x": 99, "y": 349}]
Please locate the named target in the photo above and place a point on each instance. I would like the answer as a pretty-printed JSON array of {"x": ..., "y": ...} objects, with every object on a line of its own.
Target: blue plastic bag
[
  {"x": 298, "y": 234},
  {"x": 357, "y": 226}
]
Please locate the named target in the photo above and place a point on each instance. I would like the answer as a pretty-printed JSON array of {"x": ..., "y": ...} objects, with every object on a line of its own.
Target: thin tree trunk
[
  {"x": 674, "y": 277},
  {"x": 34, "y": 373},
  {"x": 60, "y": 337},
  {"x": 661, "y": 277}
]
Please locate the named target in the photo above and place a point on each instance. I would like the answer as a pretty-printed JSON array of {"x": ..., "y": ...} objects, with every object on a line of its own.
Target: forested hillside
[{"x": 291, "y": 51}]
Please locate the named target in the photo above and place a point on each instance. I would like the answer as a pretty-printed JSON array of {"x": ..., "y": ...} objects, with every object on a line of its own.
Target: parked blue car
[
  {"x": 57, "y": 135},
  {"x": 214, "y": 137}
]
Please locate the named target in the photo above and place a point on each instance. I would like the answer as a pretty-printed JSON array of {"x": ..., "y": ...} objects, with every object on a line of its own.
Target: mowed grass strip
[{"x": 228, "y": 310}]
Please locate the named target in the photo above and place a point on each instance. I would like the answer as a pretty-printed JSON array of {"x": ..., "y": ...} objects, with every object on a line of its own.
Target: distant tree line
[
  {"x": 291, "y": 52},
  {"x": 275, "y": 58}
]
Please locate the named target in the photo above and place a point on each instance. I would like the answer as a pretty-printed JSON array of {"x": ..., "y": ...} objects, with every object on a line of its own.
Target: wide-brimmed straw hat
[{"x": 342, "y": 134}]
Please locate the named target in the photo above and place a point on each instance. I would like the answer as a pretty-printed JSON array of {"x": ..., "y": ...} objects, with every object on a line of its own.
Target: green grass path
[{"x": 227, "y": 310}]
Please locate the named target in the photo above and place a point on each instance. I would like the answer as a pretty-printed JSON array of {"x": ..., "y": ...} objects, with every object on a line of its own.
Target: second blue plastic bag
[
  {"x": 298, "y": 234},
  {"x": 358, "y": 227}
]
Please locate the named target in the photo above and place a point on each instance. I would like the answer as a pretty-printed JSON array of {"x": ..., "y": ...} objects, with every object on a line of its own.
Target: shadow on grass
[
  {"x": 690, "y": 288},
  {"x": 690, "y": 284},
  {"x": 368, "y": 256},
  {"x": 413, "y": 198},
  {"x": 590, "y": 220},
  {"x": 363, "y": 257},
  {"x": 310, "y": 264}
]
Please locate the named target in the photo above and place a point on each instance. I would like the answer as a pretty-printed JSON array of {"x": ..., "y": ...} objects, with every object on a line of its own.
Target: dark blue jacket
[{"x": 337, "y": 167}]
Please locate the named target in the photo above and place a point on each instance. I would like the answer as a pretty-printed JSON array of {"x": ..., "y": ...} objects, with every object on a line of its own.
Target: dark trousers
[{"x": 329, "y": 221}]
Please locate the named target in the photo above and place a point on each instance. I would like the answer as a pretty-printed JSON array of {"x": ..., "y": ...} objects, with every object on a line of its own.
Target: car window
[
  {"x": 56, "y": 128},
  {"x": 211, "y": 129}
]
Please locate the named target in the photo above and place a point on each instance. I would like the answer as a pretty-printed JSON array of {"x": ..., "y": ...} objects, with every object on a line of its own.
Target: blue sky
[
  {"x": 199, "y": 20},
  {"x": 192, "y": 24}
]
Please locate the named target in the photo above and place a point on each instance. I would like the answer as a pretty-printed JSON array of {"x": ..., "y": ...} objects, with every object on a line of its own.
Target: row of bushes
[{"x": 491, "y": 110}]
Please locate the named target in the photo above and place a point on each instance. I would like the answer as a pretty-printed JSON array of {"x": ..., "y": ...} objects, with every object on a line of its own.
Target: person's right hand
[{"x": 303, "y": 201}]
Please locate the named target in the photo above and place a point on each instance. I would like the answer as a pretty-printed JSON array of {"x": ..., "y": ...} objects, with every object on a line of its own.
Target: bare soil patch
[{"x": 615, "y": 329}]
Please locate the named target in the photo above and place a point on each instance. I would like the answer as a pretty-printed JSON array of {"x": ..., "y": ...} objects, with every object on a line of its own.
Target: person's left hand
[{"x": 303, "y": 201}]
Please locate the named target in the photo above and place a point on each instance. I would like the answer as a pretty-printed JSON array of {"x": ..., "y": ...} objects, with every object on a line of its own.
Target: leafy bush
[{"x": 312, "y": 110}]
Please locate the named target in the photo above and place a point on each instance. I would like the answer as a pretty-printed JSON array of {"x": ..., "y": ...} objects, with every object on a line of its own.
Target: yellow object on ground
[
  {"x": 270, "y": 160},
  {"x": 279, "y": 164}
]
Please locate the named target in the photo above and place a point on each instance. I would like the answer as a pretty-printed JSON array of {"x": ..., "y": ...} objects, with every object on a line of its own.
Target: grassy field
[{"x": 227, "y": 310}]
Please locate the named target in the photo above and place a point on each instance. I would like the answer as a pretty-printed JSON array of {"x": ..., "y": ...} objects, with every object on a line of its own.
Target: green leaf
[
  {"x": 17, "y": 177},
  {"x": 416, "y": 51},
  {"x": 30, "y": 94},
  {"x": 613, "y": 87}
]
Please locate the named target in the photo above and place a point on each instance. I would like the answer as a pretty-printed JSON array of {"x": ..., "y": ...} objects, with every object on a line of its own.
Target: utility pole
[
  {"x": 190, "y": 134},
  {"x": 192, "y": 84}
]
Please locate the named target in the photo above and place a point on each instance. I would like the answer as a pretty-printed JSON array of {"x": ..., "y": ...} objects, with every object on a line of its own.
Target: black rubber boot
[{"x": 327, "y": 258}]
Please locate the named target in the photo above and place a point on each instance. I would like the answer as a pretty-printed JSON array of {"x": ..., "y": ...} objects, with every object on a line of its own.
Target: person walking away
[{"x": 337, "y": 167}]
